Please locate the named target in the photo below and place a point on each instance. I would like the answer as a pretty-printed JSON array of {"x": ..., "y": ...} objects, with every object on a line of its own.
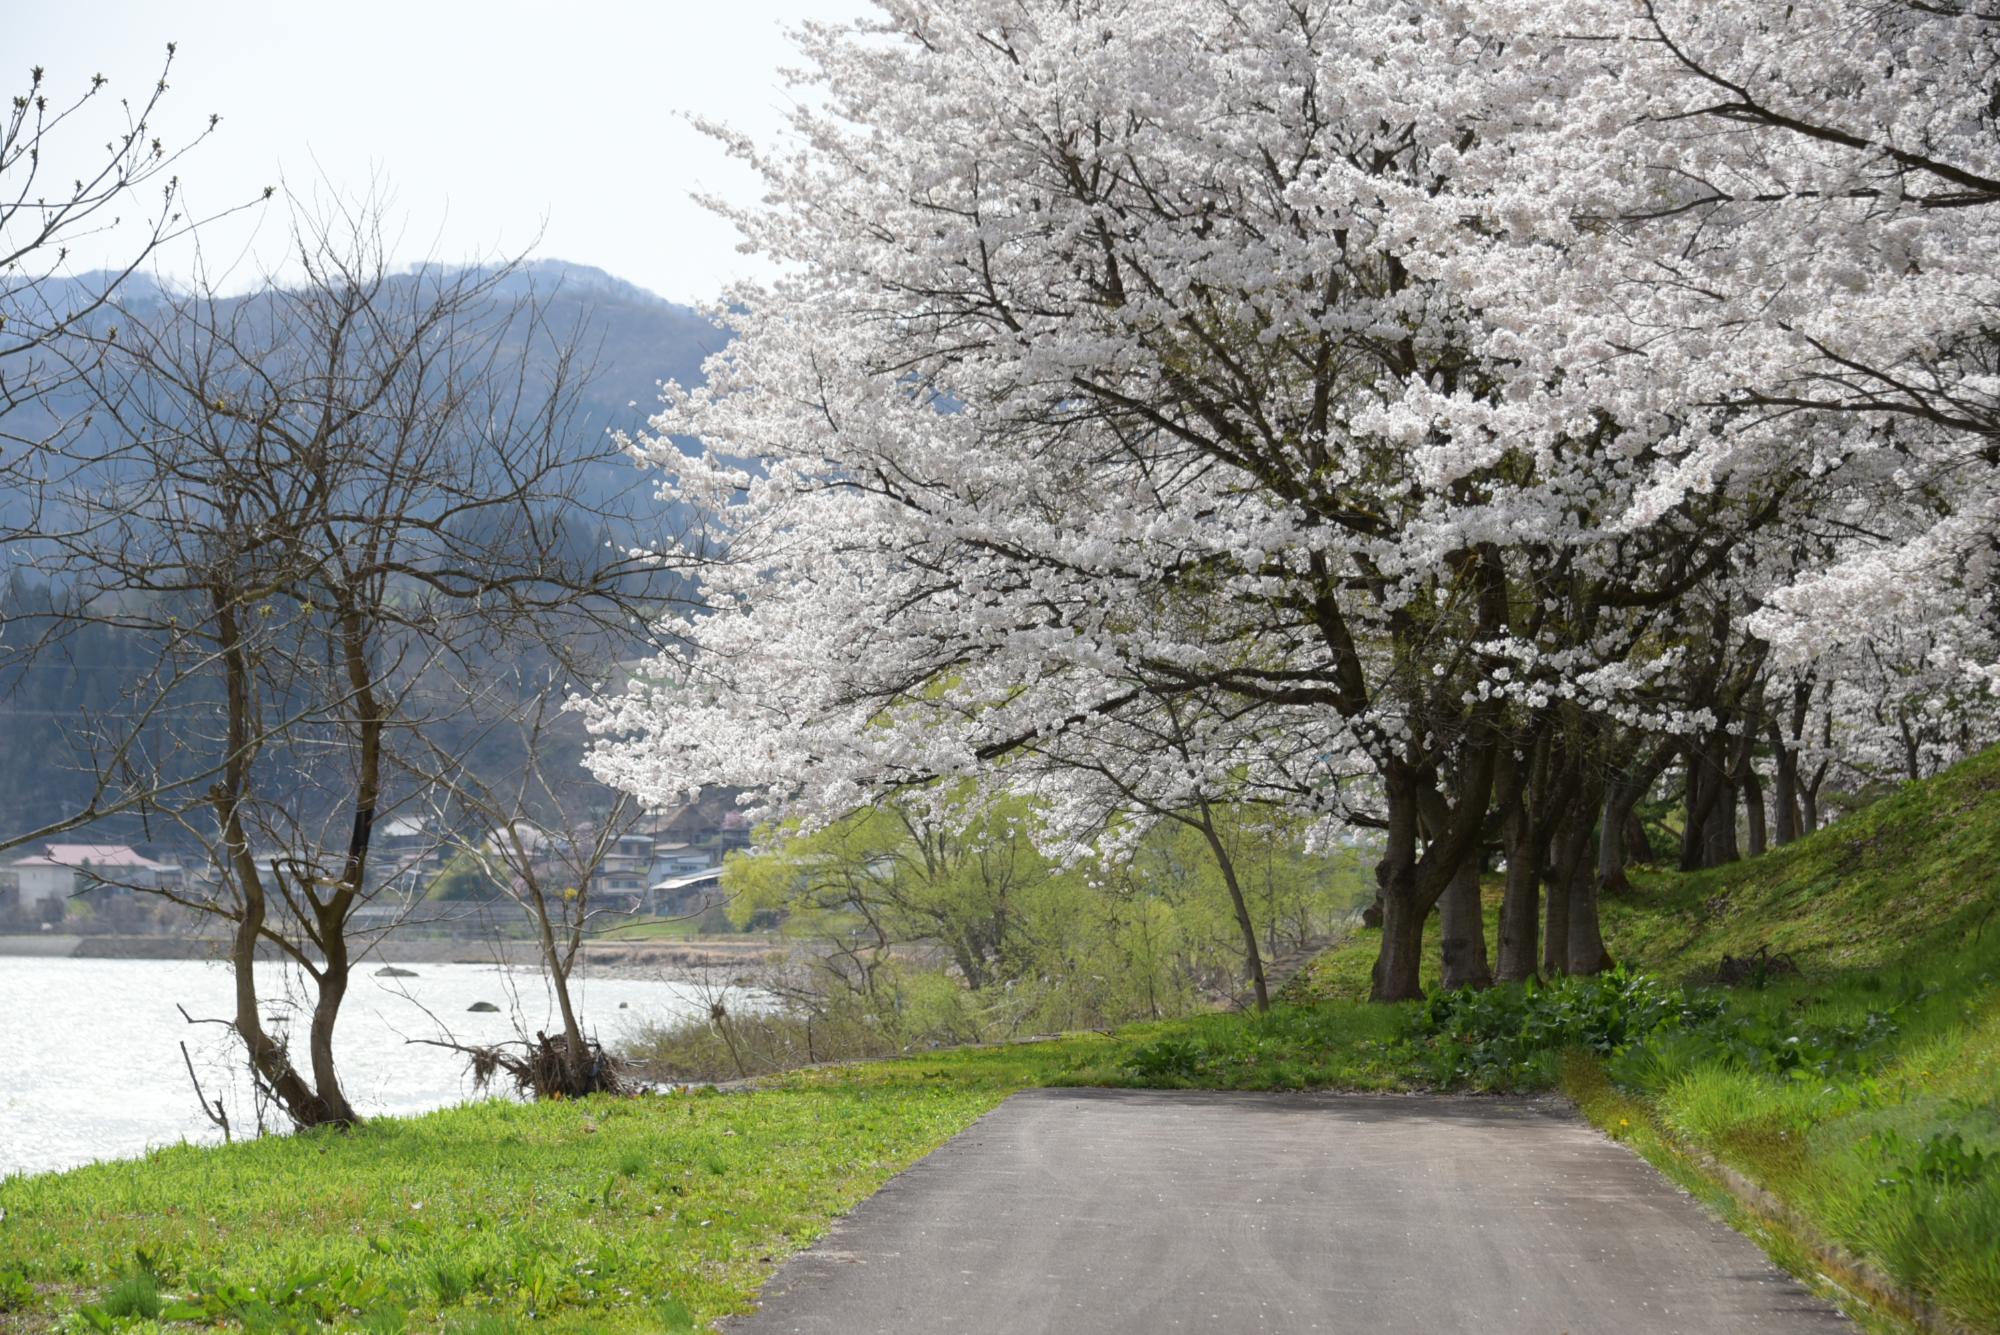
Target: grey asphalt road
[{"x": 1146, "y": 1211}]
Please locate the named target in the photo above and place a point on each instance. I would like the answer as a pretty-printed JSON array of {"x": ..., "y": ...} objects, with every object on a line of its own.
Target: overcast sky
[{"x": 490, "y": 122}]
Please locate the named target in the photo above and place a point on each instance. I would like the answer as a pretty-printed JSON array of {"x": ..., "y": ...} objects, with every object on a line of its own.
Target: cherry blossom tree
[
  {"x": 1766, "y": 229},
  {"x": 1433, "y": 417},
  {"x": 1103, "y": 380}
]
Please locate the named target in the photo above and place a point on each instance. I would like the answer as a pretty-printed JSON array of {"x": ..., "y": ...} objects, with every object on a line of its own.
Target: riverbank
[{"x": 638, "y": 956}]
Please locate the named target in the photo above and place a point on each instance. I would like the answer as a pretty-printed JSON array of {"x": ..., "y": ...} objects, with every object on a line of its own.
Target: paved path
[{"x": 1140, "y": 1211}]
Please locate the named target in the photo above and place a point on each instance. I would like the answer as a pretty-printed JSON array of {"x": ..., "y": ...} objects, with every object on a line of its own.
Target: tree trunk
[
  {"x": 1587, "y": 954},
  {"x": 1718, "y": 842},
  {"x": 1784, "y": 788},
  {"x": 1399, "y": 965},
  {"x": 1701, "y": 792},
  {"x": 575, "y": 1065},
  {"x": 1555, "y": 921},
  {"x": 1464, "y": 931},
  {"x": 1584, "y": 942},
  {"x": 1520, "y": 906},
  {"x": 1638, "y": 844},
  {"x": 1708, "y": 839},
  {"x": 1253, "y": 957},
  {"x": 1753, "y": 809},
  {"x": 1571, "y": 866},
  {"x": 1809, "y": 801},
  {"x": 270, "y": 1064},
  {"x": 330, "y": 985},
  {"x": 1611, "y": 840}
]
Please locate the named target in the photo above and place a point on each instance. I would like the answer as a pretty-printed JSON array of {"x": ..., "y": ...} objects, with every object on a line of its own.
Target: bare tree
[
  {"x": 543, "y": 838},
  {"x": 340, "y": 501},
  {"x": 66, "y": 178}
]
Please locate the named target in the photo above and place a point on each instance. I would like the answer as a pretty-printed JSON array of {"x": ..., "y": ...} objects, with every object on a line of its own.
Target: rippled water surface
[{"x": 91, "y": 1068}]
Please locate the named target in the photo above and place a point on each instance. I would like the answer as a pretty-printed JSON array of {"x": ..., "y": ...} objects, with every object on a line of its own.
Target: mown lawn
[{"x": 1864, "y": 1093}]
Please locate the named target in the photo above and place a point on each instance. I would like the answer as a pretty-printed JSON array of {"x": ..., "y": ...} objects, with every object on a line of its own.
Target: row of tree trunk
[{"x": 1559, "y": 817}]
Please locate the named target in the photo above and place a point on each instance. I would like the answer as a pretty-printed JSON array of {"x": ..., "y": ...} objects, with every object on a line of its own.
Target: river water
[{"x": 91, "y": 1066}]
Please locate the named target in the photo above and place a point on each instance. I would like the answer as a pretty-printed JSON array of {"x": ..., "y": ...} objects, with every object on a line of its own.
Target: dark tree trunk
[
  {"x": 331, "y": 988},
  {"x": 1718, "y": 843},
  {"x": 1569, "y": 863},
  {"x": 1414, "y": 885},
  {"x": 1583, "y": 941},
  {"x": 1698, "y": 797},
  {"x": 1520, "y": 905},
  {"x": 1809, "y": 801},
  {"x": 1464, "y": 944},
  {"x": 1621, "y": 835},
  {"x": 1709, "y": 837},
  {"x": 1610, "y": 876},
  {"x": 1638, "y": 844},
  {"x": 1587, "y": 954},
  {"x": 1753, "y": 809},
  {"x": 270, "y": 1062},
  {"x": 1399, "y": 966},
  {"x": 1555, "y": 921},
  {"x": 1784, "y": 789}
]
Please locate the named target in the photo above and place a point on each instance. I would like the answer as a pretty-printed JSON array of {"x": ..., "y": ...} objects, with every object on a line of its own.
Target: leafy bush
[
  {"x": 1648, "y": 1032},
  {"x": 1941, "y": 1160},
  {"x": 1167, "y": 1059},
  {"x": 1511, "y": 1037}
]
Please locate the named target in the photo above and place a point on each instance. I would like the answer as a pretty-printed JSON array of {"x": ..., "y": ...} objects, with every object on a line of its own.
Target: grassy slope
[
  {"x": 663, "y": 1212},
  {"x": 1918, "y": 868},
  {"x": 1895, "y": 913}
]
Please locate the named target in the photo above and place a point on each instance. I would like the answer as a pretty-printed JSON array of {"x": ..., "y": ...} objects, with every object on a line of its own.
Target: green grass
[
  {"x": 1894, "y": 1153},
  {"x": 664, "y": 1213},
  {"x": 1861, "y": 894},
  {"x": 602, "y": 1215},
  {"x": 1339, "y": 1045},
  {"x": 653, "y": 929}
]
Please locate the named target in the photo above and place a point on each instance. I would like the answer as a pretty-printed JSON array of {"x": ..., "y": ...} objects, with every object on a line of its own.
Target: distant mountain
[{"x": 635, "y": 339}]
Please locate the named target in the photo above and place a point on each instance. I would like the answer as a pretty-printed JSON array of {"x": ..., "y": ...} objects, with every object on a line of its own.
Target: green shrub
[
  {"x": 1511, "y": 1037},
  {"x": 1941, "y": 1160},
  {"x": 1167, "y": 1059},
  {"x": 1648, "y": 1032}
]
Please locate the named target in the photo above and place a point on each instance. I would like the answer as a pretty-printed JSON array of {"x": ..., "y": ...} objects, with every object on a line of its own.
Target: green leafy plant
[
  {"x": 1166, "y": 1059},
  {"x": 1510, "y": 1037},
  {"x": 16, "y": 1293},
  {"x": 1940, "y": 1160}
]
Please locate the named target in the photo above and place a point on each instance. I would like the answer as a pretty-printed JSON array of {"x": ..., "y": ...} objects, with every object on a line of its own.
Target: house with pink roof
[{"x": 60, "y": 870}]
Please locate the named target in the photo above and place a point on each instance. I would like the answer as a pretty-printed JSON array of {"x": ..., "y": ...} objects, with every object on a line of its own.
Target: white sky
[{"x": 487, "y": 122}]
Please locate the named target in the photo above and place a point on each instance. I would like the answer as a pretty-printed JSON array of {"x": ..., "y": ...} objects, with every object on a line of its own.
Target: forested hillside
[{"x": 628, "y": 340}]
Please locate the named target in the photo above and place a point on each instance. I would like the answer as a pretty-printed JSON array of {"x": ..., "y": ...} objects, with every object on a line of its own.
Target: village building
[{"x": 59, "y": 871}]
